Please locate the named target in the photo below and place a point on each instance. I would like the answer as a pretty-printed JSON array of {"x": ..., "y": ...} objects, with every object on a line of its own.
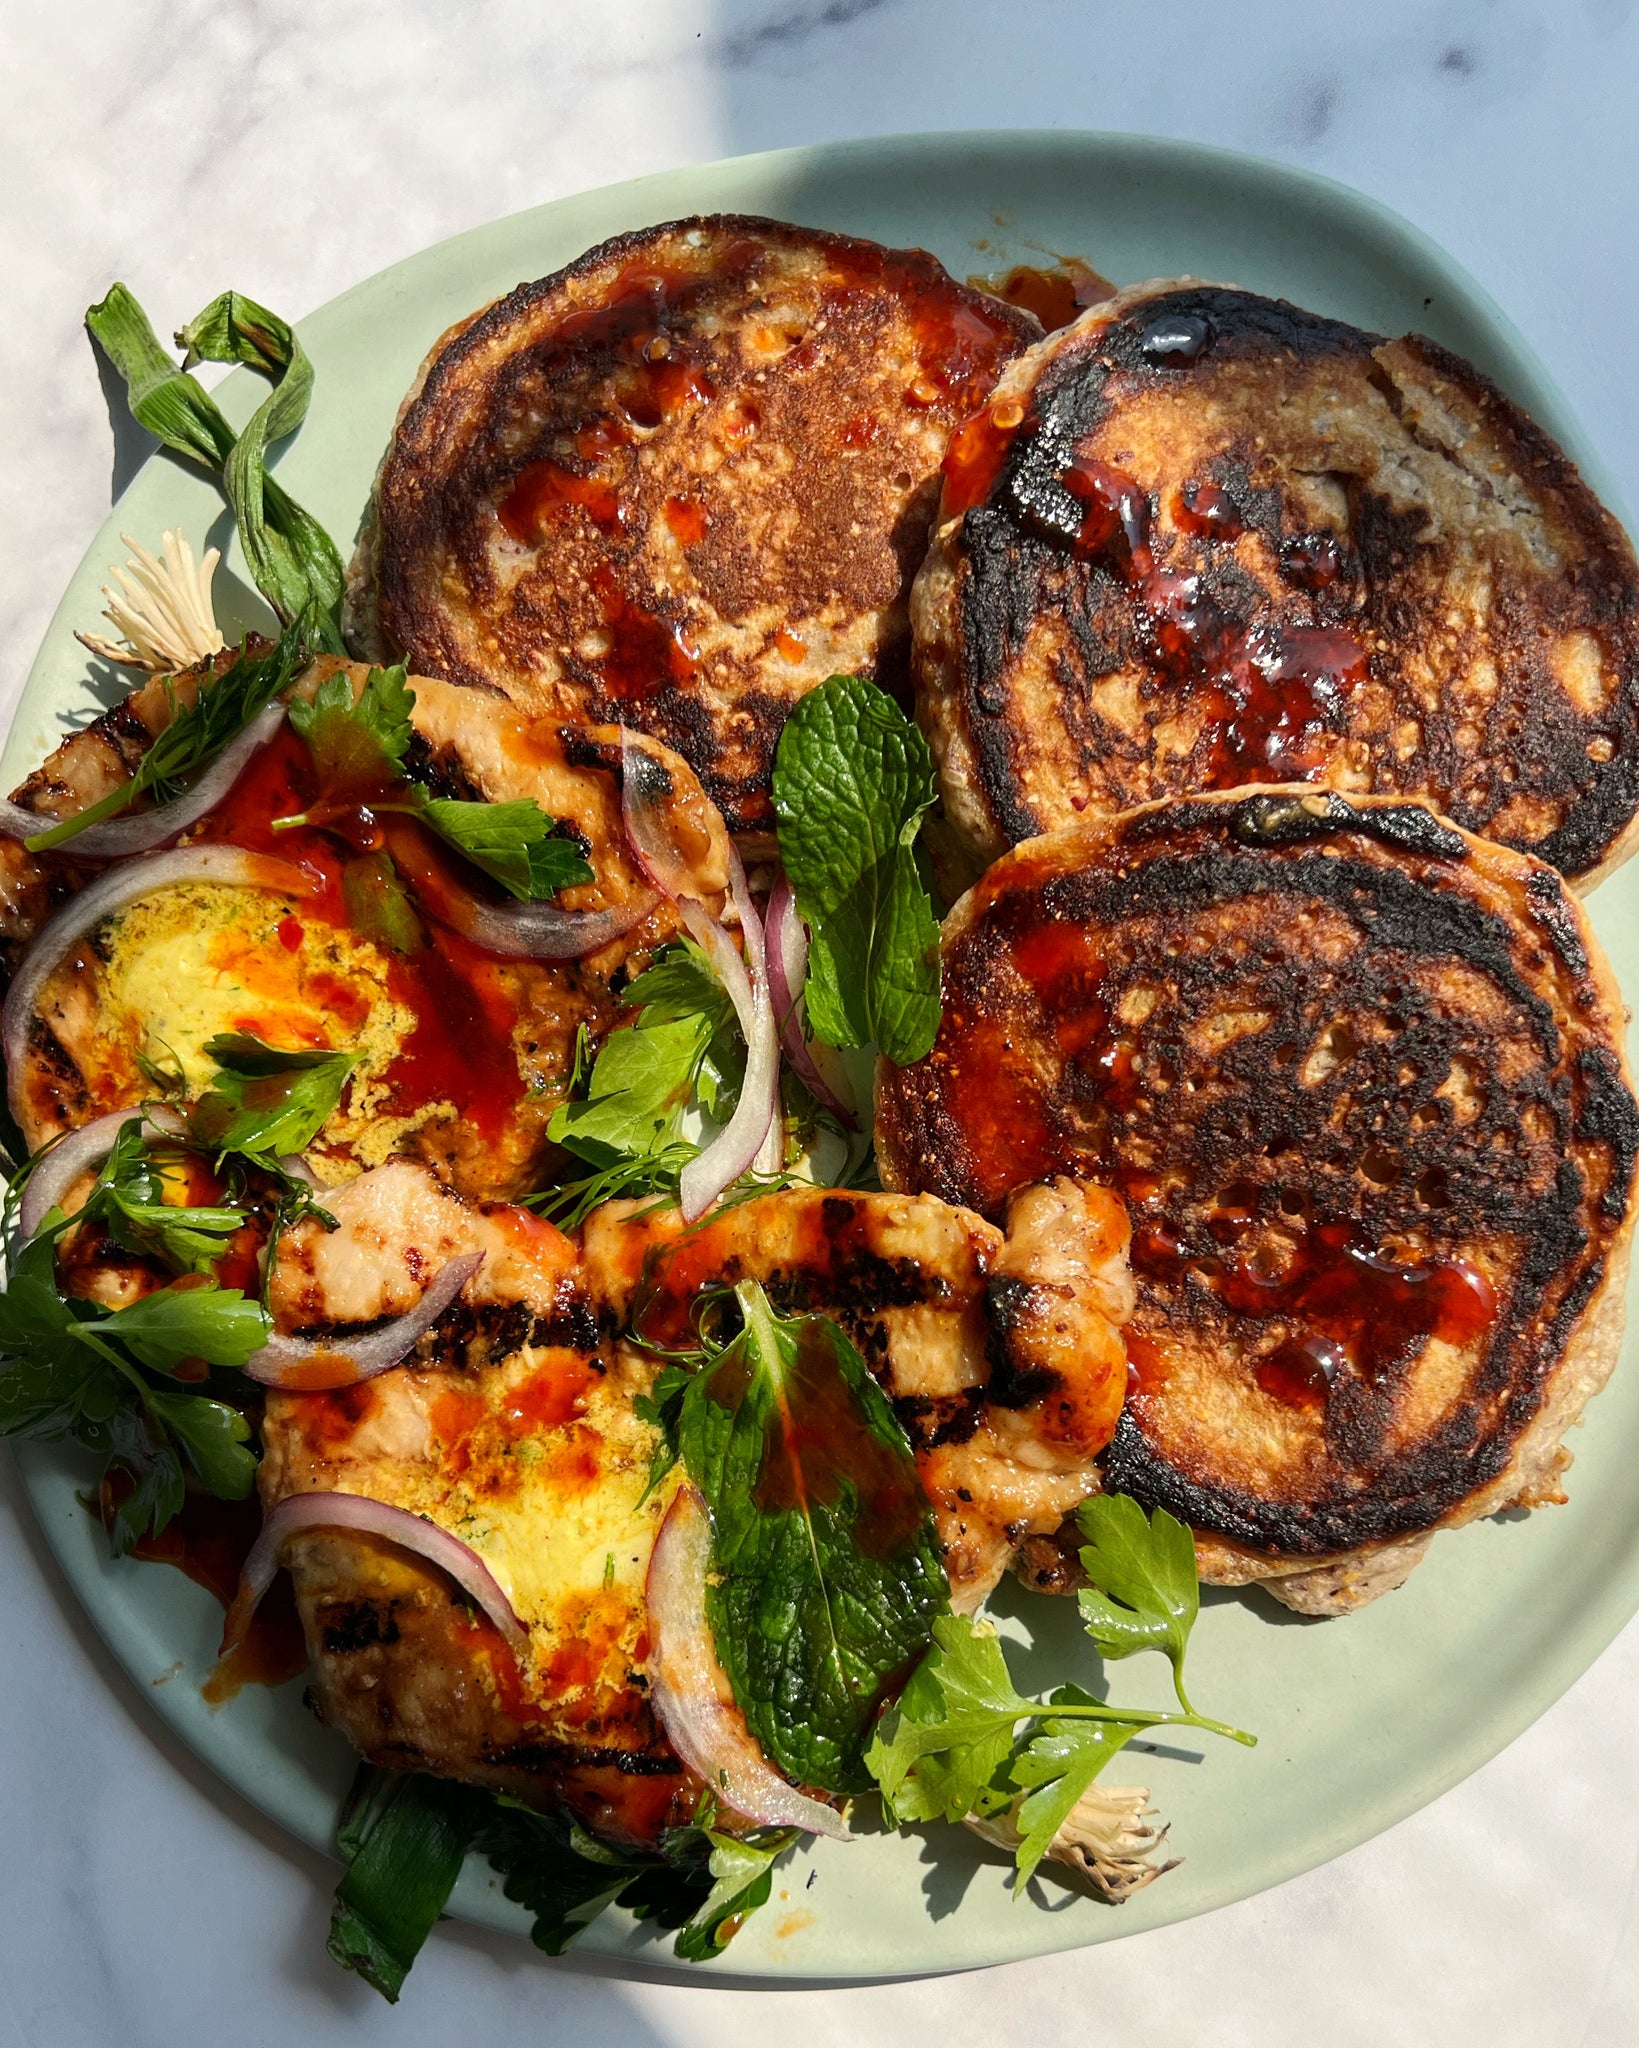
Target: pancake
[
  {"x": 1361, "y": 1079},
  {"x": 462, "y": 1056},
  {"x": 679, "y": 483},
  {"x": 1204, "y": 539}
]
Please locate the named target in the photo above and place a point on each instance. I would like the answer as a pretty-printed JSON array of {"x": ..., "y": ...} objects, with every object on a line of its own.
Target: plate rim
[{"x": 1598, "y": 1619}]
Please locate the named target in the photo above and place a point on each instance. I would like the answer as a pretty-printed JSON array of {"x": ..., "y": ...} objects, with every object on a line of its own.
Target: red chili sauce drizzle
[
  {"x": 460, "y": 1049},
  {"x": 209, "y": 1542},
  {"x": 817, "y": 1446},
  {"x": 1348, "y": 1307},
  {"x": 1271, "y": 694},
  {"x": 660, "y": 372},
  {"x": 1057, "y": 295}
]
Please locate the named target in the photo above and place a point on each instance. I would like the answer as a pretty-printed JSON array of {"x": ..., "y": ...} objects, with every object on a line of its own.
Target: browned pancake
[
  {"x": 1204, "y": 539},
  {"x": 679, "y": 483},
  {"x": 1361, "y": 1079}
]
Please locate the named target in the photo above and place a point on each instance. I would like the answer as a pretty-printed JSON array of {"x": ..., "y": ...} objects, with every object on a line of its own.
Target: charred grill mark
[
  {"x": 357, "y": 1625},
  {"x": 1008, "y": 1301},
  {"x": 441, "y": 770},
  {"x": 1609, "y": 1116},
  {"x": 554, "y": 1759},
  {"x": 930, "y": 1420},
  {"x": 1547, "y": 898},
  {"x": 1292, "y": 820}
]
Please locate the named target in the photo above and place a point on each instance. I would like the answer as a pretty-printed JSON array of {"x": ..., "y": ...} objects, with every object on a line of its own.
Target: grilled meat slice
[
  {"x": 1203, "y": 539},
  {"x": 513, "y": 1428},
  {"x": 462, "y": 1056},
  {"x": 679, "y": 483},
  {"x": 1002, "y": 1356},
  {"x": 1361, "y": 1078}
]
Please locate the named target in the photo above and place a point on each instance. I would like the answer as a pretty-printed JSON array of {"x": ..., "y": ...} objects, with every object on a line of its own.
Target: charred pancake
[
  {"x": 1204, "y": 539},
  {"x": 512, "y": 1427},
  {"x": 679, "y": 483},
  {"x": 462, "y": 1056},
  {"x": 1361, "y": 1080}
]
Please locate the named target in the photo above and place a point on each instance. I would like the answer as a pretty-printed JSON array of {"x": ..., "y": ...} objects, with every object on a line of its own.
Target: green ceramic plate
[{"x": 1362, "y": 1720}]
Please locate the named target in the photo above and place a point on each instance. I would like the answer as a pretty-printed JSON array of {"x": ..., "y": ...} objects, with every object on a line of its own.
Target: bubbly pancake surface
[
  {"x": 1360, "y": 1078},
  {"x": 680, "y": 482},
  {"x": 1204, "y": 539}
]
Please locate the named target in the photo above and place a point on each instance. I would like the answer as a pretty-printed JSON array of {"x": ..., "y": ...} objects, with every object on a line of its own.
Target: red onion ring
[
  {"x": 299, "y": 1511},
  {"x": 77, "y": 1152},
  {"x": 142, "y": 831},
  {"x": 227, "y": 866},
  {"x": 645, "y": 786},
  {"x": 737, "y": 1146},
  {"x": 517, "y": 931},
  {"x": 755, "y": 1134},
  {"x": 787, "y": 965},
  {"x": 315, "y": 1365},
  {"x": 691, "y": 1693}
]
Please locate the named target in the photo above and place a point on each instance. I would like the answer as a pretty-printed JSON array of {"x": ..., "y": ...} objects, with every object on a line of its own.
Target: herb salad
[{"x": 813, "y": 1660}]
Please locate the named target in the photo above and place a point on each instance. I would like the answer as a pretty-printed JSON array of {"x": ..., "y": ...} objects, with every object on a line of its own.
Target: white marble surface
[{"x": 293, "y": 149}]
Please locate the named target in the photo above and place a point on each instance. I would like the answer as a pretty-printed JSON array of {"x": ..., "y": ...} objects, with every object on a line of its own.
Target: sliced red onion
[
  {"x": 141, "y": 831},
  {"x": 787, "y": 965},
  {"x": 737, "y": 1146},
  {"x": 645, "y": 790},
  {"x": 755, "y": 1134},
  {"x": 301, "y": 1511},
  {"x": 517, "y": 931},
  {"x": 229, "y": 866},
  {"x": 691, "y": 1692},
  {"x": 314, "y": 1365},
  {"x": 81, "y": 1151}
]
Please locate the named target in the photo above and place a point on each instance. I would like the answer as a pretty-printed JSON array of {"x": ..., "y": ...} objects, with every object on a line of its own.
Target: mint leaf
[
  {"x": 515, "y": 843},
  {"x": 827, "y": 1570},
  {"x": 852, "y": 779},
  {"x": 1055, "y": 1768},
  {"x": 263, "y": 1099},
  {"x": 357, "y": 744},
  {"x": 1149, "y": 1567}
]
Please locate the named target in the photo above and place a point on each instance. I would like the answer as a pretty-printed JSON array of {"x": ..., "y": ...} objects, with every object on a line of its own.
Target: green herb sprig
[
  {"x": 852, "y": 780},
  {"x": 359, "y": 745},
  {"x": 293, "y": 561},
  {"x": 952, "y": 1743},
  {"x": 194, "y": 735}
]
